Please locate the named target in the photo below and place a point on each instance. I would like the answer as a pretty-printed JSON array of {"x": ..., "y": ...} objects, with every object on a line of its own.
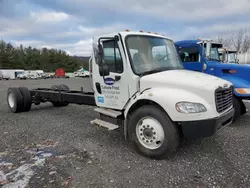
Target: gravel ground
[{"x": 58, "y": 147}]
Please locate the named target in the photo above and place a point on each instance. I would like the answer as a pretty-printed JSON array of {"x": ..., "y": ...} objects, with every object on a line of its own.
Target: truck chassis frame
[{"x": 49, "y": 95}]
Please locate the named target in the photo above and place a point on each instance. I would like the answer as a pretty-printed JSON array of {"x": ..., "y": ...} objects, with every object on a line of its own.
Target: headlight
[
  {"x": 243, "y": 90},
  {"x": 189, "y": 107}
]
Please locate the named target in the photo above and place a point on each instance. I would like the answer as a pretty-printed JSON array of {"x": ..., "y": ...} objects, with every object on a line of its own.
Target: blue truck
[{"x": 203, "y": 56}]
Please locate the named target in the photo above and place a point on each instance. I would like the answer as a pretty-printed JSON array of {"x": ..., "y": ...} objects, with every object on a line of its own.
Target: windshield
[
  {"x": 214, "y": 53},
  {"x": 231, "y": 57},
  {"x": 152, "y": 54}
]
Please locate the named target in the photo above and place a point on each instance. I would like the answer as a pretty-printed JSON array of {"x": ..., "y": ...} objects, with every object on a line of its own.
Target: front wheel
[
  {"x": 152, "y": 133},
  {"x": 239, "y": 107}
]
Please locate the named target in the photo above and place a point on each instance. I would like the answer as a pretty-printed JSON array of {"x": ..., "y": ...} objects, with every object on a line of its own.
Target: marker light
[
  {"x": 243, "y": 90},
  {"x": 141, "y": 31},
  {"x": 232, "y": 71},
  {"x": 127, "y": 30}
]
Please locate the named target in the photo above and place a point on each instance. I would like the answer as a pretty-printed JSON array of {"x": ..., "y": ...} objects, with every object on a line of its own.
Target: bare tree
[
  {"x": 238, "y": 36},
  {"x": 246, "y": 42},
  {"x": 225, "y": 40},
  {"x": 238, "y": 39}
]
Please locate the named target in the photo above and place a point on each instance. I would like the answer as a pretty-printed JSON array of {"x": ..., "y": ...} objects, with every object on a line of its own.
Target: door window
[
  {"x": 190, "y": 54},
  {"x": 112, "y": 56}
]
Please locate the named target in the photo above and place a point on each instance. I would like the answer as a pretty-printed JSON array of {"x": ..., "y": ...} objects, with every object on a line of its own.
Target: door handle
[{"x": 98, "y": 87}]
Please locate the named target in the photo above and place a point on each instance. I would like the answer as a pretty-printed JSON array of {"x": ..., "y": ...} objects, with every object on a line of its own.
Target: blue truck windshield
[
  {"x": 214, "y": 53},
  {"x": 150, "y": 54}
]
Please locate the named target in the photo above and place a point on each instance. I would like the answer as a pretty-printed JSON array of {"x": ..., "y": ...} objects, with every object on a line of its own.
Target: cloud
[
  {"x": 71, "y": 24},
  {"x": 49, "y": 16},
  {"x": 79, "y": 47},
  {"x": 181, "y": 10}
]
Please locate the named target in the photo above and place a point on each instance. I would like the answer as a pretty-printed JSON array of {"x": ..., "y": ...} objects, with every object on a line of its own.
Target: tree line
[
  {"x": 237, "y": 39},
  {"x": 29, "y": 58}
]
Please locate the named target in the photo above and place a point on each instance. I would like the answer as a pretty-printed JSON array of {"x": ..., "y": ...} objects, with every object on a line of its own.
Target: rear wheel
[
  {"x": 64, "y": 87},
  {"x": 61, "y": 87},
  {"x": 27, "y": 100},
  {"x": 15, "y": 101},
  {"x": 239, "y": 107},
  {"x": 152, "y": 133}
]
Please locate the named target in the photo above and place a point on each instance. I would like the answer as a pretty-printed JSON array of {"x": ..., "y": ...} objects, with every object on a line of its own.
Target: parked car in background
[{"x": 1, "y": 75}]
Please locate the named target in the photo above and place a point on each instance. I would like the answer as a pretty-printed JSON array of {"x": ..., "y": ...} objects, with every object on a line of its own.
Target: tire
[
  {"x": 61, "y": 87},
  {"x": 159, "y": 125},
  {"x": 15, "y": 100},
  {"x": 56, "y": 103},
  {"x": 27, "y": 100},
  {"x": 55, "y": 87},
  {"x": 64, "y": 87},
  {"x": 239, "y": 107}
]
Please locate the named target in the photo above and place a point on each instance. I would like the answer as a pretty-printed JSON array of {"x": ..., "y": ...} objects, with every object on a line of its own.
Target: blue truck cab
[{"x": 203, "y": 56}]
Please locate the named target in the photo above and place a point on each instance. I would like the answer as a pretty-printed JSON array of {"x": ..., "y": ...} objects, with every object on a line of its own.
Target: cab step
[
  {"x": 109, "y": 126},
  {"x": 108, "y": 112}
]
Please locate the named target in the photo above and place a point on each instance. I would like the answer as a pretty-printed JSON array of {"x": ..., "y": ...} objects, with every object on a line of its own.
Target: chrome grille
[{"x": 223, "y": 98}]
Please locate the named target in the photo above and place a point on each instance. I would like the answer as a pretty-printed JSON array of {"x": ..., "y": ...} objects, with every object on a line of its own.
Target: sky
[{"x": 70, "y": 25}]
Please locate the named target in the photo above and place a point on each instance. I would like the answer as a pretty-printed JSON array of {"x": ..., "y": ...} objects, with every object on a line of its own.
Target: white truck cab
[
  {"x": 139, "y": 83},
  {"x": 140, "y": 75}
]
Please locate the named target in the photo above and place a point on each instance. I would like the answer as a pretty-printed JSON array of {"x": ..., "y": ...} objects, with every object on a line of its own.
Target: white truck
[
  {"x": 228, "y": 55},
  {"x": 139, "y": 84},
  {"x": 10, "y": 74},
  {"x": 81, "y": 73},
  {"x": 32, "y": 74}
]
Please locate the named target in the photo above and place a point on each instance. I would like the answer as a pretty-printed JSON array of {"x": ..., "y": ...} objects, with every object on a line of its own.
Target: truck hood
[
  {"x": 221, "y": 69},
  {"x": 184, "y": 79}
]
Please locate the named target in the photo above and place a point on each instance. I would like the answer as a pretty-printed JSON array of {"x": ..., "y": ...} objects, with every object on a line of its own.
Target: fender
[
  {"x": 167, "y": 98},
  {"x": 238, "y": 83}
]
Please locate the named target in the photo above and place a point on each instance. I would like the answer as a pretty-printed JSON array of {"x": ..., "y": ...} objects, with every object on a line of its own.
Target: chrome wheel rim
[
  {"x": 150, "y": 133},
  {"x": 11, "y": 100}
]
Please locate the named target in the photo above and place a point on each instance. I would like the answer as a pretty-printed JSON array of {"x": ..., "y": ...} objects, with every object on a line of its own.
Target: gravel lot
[{"x": 58, "y": 147}]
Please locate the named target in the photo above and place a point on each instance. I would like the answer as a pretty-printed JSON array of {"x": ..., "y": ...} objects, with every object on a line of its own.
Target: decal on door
[
  {"x": 109, "y": 81},
  {"x": 100, "y": 99},
  {"x": 111, "y": 94}
]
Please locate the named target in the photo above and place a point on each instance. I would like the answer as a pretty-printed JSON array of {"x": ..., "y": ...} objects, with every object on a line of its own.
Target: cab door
[
  {"x": 190, "y": 56},
  {"x": 111, "y": 91}
]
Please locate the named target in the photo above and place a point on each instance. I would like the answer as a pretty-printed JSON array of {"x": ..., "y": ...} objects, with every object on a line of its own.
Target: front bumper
[{"x": 208, "y": 127}]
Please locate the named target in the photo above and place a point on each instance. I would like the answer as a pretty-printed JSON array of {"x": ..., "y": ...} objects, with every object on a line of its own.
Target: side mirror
[
  {"x": 208, "y": 49},
  {"x": 100, "y": 54},
  {"x": 204, "y": 66},
  {"x": 223, "y": 57},
  {"x": 104, "y": 70}
]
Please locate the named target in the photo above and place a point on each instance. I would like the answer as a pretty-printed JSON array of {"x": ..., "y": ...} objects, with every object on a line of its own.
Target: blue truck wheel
[{"x": 239, "y": 107}]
